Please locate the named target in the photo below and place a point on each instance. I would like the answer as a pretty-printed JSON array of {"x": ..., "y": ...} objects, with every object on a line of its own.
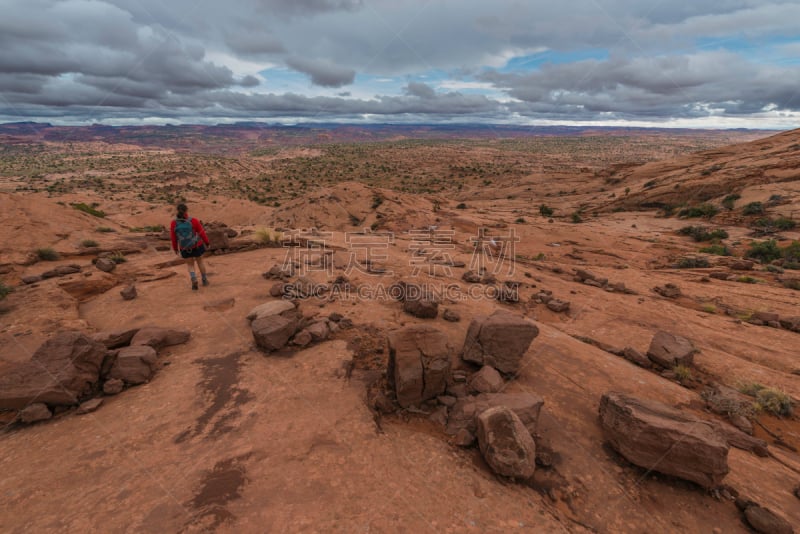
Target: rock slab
[{"x": 660, "y": 438}]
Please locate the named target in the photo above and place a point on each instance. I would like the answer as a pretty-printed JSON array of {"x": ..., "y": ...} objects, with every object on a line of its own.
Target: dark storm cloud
[
  {"x": 150, "y": 58},
  {"x": 322, "y": 73}
]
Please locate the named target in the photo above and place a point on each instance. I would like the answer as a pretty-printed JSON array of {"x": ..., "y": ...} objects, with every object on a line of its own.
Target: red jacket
[{"x": 196, "y": 226}]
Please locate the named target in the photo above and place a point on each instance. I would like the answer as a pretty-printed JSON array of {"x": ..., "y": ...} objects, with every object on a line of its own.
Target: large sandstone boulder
[
  {"x": 499, "y": 340},
  {"x": 419, "y": 363},
  {"x": 669, "y": 350},
  {"x": 423, "y": 308},
  {"x": 85, "y": 288},
  {"x": 464, "y": 411},
  {"x": 218, "y": 239},
  {"x": 158, "y": 338},
  {"x": 505, "y": 443},
  {"x": 135, "y": 364},
  {"x": 268, "y": 309},
  {"x": 659, "y": 438},
  {"x": 63, "y": 371},
  {"x": 273, "y": 332}
]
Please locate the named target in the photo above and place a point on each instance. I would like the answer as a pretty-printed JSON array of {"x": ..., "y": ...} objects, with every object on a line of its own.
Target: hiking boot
[
  {"x": 205, "y": 281},
  {"x": 194, "y": 285}
]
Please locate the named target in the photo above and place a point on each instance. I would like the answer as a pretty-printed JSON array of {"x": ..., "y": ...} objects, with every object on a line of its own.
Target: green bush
[
  {"x": 47, "y": 254},
  {"x": 705, "y": 211},
  {"x": 716, "y": 250},
  {"x": 118, "y": 257},
  {"x": 700, "y": 233},
  {"x": 520, "y": 220},
  {"x": 764, "y": 251},
  {"x": 576, "y": 217},
  {"x": 148, "y": 229},
  {"x": 89, "y": 243},
  {"x": 753, "y": 208},
  {"x": 729, "y": 201},
  {"x": 461, "y": 206},
  {"x": 791, "y": 253},
  {"x": 784, "y": 223},
  {"x": 692, "y": 263},
  {"x": 91, "y": 210},
  {"x": 377, "y": 200},
  {"x": 5, "y": 290},
  {"x": 748, "y": 280},
  {"x": 104, "y": 229},
  {"x": 546, "y": 211},
  {"x": 791, "y": 283}
]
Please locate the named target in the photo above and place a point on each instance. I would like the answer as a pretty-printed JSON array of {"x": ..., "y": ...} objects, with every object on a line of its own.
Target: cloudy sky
[{"x": 704, "y": 63}]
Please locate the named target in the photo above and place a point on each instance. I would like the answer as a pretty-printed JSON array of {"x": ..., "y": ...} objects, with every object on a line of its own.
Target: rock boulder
[
  {"x": 659, "y": 438},
  {"x": 505, "y": 443},
  {"x": 499, "y": 340},
  {"x": 669, "y": 350},
  {"x": 419, "y": 364}
]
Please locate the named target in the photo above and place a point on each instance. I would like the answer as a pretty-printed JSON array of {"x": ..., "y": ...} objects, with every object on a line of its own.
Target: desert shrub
[
  {"x": 149, "y": 228},
  {"x": 705, "y": 211},
  {"x": 764, "y": 251},
  {"x": 682, "y": 373},
  {"x": 729, "y": 201},
  {"x": 791, "y": 253},
  {"x": 5, "y": 290},
  {"x": 89, "y": 243},
  {"x": 520, "y": 220},
  {"x": 103, "y": 229},
  {"x": 748, "y": 280},
  {"x": 461, "y": 206},
  {"x": 774, "y": 269},
  {"x": 716, "y": 250},
  {"x": 691, "y": 262},
  {"x": 709, "y": 308},
  {"x": 710, "y": 170},
  {"x": 773, "y": 401},
  {"x": 91, "y": 210},
  {"x": 791, "y": 283},
  {"x": 753, "y": 208},
  {"x": 576, "y": 217},
  {"x": 700, "y": 233},
  {"x": 47, "y": 254},
  {"x": 784, "y": 223},
  {"x": 540, "y": 257},
  {"x": 265, "y": 236},
  {"x": 118, "y": 257},
  {"x": 377, "y": 200},
  {"x": 650, "y": 184},
  {"x": 546, "y": 211}
]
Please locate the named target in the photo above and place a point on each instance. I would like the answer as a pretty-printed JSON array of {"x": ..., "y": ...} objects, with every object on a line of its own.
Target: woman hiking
[{"x": 189, "y": 238}]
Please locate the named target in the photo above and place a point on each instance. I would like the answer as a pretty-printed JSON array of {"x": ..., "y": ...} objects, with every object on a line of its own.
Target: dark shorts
[{"x": 195, "y": 252}]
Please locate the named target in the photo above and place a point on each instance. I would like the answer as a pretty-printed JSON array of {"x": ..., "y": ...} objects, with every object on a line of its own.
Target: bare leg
[
  {"x": 189, "y": 265},
  {"x": 201, "y": 265}
]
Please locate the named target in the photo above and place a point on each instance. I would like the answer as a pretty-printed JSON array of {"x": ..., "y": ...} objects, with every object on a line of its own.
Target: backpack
[{"x": 186, "y": 236}]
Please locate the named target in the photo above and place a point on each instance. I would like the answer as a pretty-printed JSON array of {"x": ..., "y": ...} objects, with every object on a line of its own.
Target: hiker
[{"x": 189, "y": 238}]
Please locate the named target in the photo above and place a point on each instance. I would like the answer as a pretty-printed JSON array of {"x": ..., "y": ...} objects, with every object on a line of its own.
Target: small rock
[
  {"x": 439, "y": 416},
  {"x": 31, "y": 279},
  {"x": 634, "y": 356},
  {"x": 279, "y": 289},
  {"x": 765, "y": 521},
  {"x": 129, "y": 293},
  {"x": 669, "y": 350},
  {"x": 558, "y": 306},
  {"x": 269, "y": 309},
  {"x": 158, "y": 338},
  {"x": 105, "y": 264},
  {"x": 273, "y": 332},
  {"x": 500, "y": 340},
  {"x": 742, "y": 265},
  {"x": 447, "y": 400},
  {"x": 487, "y": 380},
  {"x": 89, "y": 406},
  {"x": 670, "y": 291},
  {"x": 134, "y": 364},
  {"x": 34, "y": 413},
  {"x": 464, "y": 438},
  {"x": 451, "y": 316},
  {"x": 113, "y": 386}
]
